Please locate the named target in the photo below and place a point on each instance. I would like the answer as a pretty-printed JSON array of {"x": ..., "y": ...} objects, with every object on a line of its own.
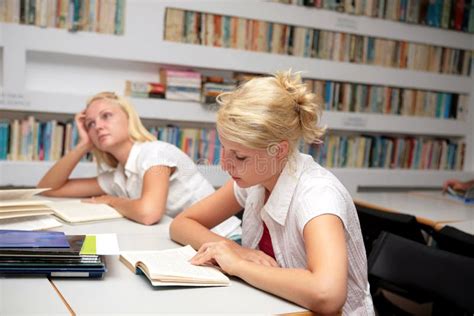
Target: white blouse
[
  {"x": 304, "y": 191},
  {"x": 187, "y": 184}
]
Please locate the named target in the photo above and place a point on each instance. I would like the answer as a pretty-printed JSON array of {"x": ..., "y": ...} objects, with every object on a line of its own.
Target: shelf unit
[
  {"x": 28, "y": 173},
  {"x": 54, "y": 71}
]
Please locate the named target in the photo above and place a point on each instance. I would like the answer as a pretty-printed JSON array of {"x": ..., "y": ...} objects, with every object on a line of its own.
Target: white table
[
  {"x": 465, "y": 226},
  {"x": 428, "y": 207},
  {"x": 30, "y": 296},
  {"x": 123, "y": 292}
]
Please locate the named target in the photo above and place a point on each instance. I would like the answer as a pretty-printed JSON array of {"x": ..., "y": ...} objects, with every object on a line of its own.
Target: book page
[
  {"x": 173, "y": 265},
  {"x": 228, "y": 227},
  {"x": 76, "y": 211},
  {"x": 30, "y": 223},
  {"x": 19, "y": 194},
  {"x": 4, "y": 215},
  {"x": 32, "y": 202},
  {"x": 24, "y": 208}
]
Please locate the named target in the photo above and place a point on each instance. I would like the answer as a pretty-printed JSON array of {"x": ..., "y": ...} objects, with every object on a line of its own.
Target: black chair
[
  {"x": 404, "y": 266},
  {"x": 454, "y": 240},
  {"x": 373, "y": 222}
]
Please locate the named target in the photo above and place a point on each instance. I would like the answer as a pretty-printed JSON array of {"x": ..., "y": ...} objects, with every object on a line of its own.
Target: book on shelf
[
  {"x": 141, "y": 89},
  {"x": 464, "y": 196},
  {"x": 263, "y": 36},
  {"x": 172, "y": 268}
]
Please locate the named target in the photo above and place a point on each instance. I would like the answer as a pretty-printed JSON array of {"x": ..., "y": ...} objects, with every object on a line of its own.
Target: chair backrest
[
  {"x": 422, "y": 270},
  {"x": 373, "y": 222},
  {"x": 454, "y": 240}
]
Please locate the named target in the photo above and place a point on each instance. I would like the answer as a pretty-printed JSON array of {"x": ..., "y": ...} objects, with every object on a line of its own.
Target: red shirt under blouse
[{"x": 265, "y": 243}]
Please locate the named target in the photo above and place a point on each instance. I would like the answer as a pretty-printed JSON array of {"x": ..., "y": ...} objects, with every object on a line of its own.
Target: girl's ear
[{"x": 283, "y": 149}]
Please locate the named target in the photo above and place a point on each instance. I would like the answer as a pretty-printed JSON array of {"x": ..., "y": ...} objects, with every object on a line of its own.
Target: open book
[
  {"x": 24, "y": 203},
  {"x": 30, "y": 222},
  {"x": 172, "y": 268},
  {"x": 75, "y": 211}
]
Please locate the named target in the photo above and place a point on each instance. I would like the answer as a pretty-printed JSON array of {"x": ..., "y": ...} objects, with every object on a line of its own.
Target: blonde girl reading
[
  {"x": 301, "y": 237},
  {"x": 140, "y": 177}
]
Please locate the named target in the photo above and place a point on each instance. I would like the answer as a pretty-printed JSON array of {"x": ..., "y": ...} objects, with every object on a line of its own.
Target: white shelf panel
[
  {"x": 257, "y": 62},
  {"x": 1, "y": 34},
  {"x": 396, "y": 178},
  {"x": 143, "y": 17},
  {"x": 137, "y": 45},
  {"x": 48, "y": 102},
  {"x": 331, "y": 20},
  {"x": 396, "y": 124},
  {"x": 28, "y": 173},
  {"x": 161, "y": 109}
]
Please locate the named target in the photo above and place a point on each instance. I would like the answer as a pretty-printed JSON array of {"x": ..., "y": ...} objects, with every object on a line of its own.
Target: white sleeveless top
[
  {"x": 303, "y": 191},
  {"x": 187, "y": 184}
]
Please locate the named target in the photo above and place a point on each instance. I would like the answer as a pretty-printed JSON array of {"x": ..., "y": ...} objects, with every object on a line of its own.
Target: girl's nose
[
  {"x": 99, "y": 124},
  {"x": 225, "y": 163}
]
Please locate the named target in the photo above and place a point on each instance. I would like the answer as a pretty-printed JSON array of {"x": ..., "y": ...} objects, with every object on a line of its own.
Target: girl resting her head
[{"x": 140, "y": 177}]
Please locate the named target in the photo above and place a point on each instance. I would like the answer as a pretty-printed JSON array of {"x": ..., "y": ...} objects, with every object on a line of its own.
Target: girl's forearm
[
  {"x": 58, "y": 175},
  {"x": 136, "y": 210},
  {"x": 310, "y": 290}
]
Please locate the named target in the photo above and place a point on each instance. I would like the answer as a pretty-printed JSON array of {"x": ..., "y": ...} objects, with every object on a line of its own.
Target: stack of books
[
  {"x": 213, "y": 86},
  {"x": 181, "y": 85},
  {"x": 140, "y": 89},
  {"x": 22, "y": 209},
  {"x": 52, "y": 254}
]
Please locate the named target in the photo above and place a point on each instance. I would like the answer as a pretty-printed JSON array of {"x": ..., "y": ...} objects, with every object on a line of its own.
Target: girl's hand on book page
[
  {"x": 220, "y": 253},
  {"x": 228, "y": 256},
  {"x": 84, "y": 138},
  {"x": 103, "y": 199}
]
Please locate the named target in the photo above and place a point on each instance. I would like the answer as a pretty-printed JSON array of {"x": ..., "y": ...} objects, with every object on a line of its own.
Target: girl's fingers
[{"x": 202, "y": 258}]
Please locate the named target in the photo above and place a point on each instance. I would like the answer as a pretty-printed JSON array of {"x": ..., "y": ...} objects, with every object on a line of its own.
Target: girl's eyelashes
[
  {"x": 103, "y": 116},
  {"x": 90, "y": 124},
  {"x": 106, "y": 115},
  {"x": 241, "y": 158}
]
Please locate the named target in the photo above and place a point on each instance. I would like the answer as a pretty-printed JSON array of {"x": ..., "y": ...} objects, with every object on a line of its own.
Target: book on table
[
  {"x": 172, "y": 268},
  {"x": 32, "y": 239},
  {"x": 75, "y": 211},
  {"x": 465, "y": 196},
  {"x": 52, "y": 260},
  {"x": 36, "y": 222},
  {"x": 24, "y": 203}
]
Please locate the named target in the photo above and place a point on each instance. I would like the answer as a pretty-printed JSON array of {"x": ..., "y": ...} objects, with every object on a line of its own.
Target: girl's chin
[{"x": 241, "y": 183}]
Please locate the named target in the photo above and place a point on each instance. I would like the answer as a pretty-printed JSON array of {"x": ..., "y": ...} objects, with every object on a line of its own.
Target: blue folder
[{"x": 32, "y": 239}]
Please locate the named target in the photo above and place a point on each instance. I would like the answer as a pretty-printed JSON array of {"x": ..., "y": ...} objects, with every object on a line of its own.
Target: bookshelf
[{"x": 54, "y": 71}]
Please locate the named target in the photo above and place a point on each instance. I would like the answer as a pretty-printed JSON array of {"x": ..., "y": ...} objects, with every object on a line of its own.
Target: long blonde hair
[
  {"x": 268, "y": 110},
  {"x": 136, "y": 130}
]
